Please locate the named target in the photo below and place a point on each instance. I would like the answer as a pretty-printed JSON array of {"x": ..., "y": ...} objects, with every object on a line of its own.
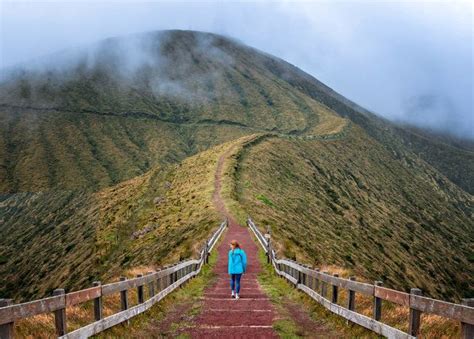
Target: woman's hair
[{"x": 235, "y": 243}]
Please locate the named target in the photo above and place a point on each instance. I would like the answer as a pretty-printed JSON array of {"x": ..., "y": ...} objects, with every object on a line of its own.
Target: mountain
[{"x": 108, "y": 153}]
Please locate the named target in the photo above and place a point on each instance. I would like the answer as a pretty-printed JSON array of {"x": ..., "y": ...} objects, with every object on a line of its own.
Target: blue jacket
[{"x": 237, "y": 261}]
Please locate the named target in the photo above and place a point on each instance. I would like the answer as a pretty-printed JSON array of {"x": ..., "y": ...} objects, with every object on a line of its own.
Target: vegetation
[
  {"x": 69, "y": 239},
  {"x": 109, "y": 165},
  {"x": 352, "y": 203}
]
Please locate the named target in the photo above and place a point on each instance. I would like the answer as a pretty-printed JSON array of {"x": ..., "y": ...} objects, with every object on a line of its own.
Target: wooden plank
[
  {"x": 360, "y": 287},
  {"x": 257, "y": 233},
  {"x": 19, "y": 311},
  {"x": 459, "y": 312},
  {"x": 292, "y": 264},
  {"x": 217, "y": 235},
  {"x": 362, "y": 320},
  {"x": 394, "y": 296},
  {"x": 135, "y": 282},
  {"x": 81, "y": 296}
]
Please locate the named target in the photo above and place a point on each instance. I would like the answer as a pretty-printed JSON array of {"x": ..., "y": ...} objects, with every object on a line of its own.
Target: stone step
[
  {"x": 235, "y": 318},
  {"x": 233, "y": 332}
]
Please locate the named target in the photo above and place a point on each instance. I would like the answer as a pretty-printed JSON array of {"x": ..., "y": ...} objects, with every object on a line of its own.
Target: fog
[{"x": 410, "y": 62}]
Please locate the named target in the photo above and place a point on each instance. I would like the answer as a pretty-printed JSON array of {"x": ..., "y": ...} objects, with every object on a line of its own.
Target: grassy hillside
[
  {"x": 352, "y": 203},
  {"x": 69, "y": 239},
  {"x": 107, "y": 156},
  {"x": 107, "y": 115},
  {"x": 93, "y": 117}
]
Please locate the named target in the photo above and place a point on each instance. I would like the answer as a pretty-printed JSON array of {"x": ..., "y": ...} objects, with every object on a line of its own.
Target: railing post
[
  {"x": 351, "y": 300},
  {"x": 377, "y": 304},
  {"x": 335, "y": 291},
  {"x": 123, "y": 297},
  {"x": 415, "y": 316},
  {"x": 60, "y": 315},
  {"x": 306, "y": 276},
  {"x": 159, "y": 283},
  {"x": 140, "y": 291},
  {"x": 151, "y": 287},
  {"x": 324, "y": 286},
  {"x": 175, "y": 274},
  {"x": 7, "y": 330},
  {"x": 206, "y": 253},
  {"x": 316, "y": 283},
  {"x": 97, "y": 303},
  {"x": 467, "y": 330}
]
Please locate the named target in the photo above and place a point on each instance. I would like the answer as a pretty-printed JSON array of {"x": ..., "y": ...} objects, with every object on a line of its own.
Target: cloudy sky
[{"x": 409, "y": 61}]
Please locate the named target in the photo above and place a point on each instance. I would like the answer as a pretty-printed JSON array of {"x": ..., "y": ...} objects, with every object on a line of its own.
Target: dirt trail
[{"x": 223, "y": 317}]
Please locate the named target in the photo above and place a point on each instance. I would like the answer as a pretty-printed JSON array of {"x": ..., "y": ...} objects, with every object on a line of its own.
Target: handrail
[
  {"x": 162, "y": 282},
  {"x": 316, "y": 283}
]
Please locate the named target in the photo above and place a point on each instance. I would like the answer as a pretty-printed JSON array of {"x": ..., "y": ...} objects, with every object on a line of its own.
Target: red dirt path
[{"x": 223, "y": 317}]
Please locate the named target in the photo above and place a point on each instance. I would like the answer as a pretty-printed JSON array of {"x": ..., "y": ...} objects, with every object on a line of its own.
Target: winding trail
[{"x": 223, "y": 317}]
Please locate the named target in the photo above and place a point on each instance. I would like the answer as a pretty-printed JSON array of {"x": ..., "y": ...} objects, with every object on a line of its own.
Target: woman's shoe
[
  {"x": 237, "y": 296},
  {"x": 232, "y": 295}
]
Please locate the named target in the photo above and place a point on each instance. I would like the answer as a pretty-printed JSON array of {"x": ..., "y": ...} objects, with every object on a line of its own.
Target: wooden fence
[
  {"x": 321, "y": 286},
  {"x": 158, "y": 285}
]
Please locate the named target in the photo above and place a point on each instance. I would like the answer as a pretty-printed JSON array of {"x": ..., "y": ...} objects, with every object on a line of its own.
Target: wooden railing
[
  {"x": 321, "y": 286},
  {"x": 158, "y": 285}
]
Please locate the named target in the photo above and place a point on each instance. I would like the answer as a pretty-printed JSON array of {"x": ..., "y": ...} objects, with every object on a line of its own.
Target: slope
[
  {"x": 353, "y": 203},
  {"x": 106, "y": 113},
  {"x": 71, "y": 238}
]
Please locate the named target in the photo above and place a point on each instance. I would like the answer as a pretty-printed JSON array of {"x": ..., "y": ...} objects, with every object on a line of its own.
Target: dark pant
[{"x": 235, "y": 282}]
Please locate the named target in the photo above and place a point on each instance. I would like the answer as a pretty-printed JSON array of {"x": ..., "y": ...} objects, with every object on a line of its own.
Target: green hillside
[
  {"x": 108, "y": 153},
  {"x": 72, "y": 238},
  {"x": 352, "y": 203}
]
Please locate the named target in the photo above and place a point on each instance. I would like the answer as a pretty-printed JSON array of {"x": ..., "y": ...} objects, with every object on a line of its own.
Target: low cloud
[{"x": 391, "y": 57}]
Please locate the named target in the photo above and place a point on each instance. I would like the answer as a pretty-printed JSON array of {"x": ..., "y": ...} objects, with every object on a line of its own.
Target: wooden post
[
  {"x": 467, "y": 330},
  {"x": 97, "y": 304},
  {"x": 378, "y": 304},
  {"x": 123, "y": 297},
  {"x": 7, "y": 330},
  {"x": 206, "y": 254},
  {"x": 140, "y": 291},
  {"x": 415, "y": 316},
  {"x": 351, "y": 300},
  {"x": 175, "y": 275},
  {"x": 316, "y": 283},
  {"x": 151, "y": 287},
  {"x": 335, "y": 291},
  {"x": 159, "y": 284},
  {"x": 60, "y": 315},
  {"x": 324, "y": 287}
]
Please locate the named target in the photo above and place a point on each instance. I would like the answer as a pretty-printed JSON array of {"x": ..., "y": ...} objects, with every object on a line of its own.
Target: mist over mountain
[{"x": 381, "y": 55}]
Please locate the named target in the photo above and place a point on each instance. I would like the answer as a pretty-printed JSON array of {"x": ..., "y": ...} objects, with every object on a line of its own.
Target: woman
[{"x": 237, "y": 267}]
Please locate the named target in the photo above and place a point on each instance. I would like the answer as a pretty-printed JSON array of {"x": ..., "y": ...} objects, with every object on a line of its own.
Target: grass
[
  {"x": 113, "y": 177},
  {"x": 91, "y": 236},
  {"x": 351, "y": 203},
  {"x": 90, "y": 128}
]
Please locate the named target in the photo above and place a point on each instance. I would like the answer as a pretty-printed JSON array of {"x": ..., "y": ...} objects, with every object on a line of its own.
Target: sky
[{"x": 407, "y": 61}]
